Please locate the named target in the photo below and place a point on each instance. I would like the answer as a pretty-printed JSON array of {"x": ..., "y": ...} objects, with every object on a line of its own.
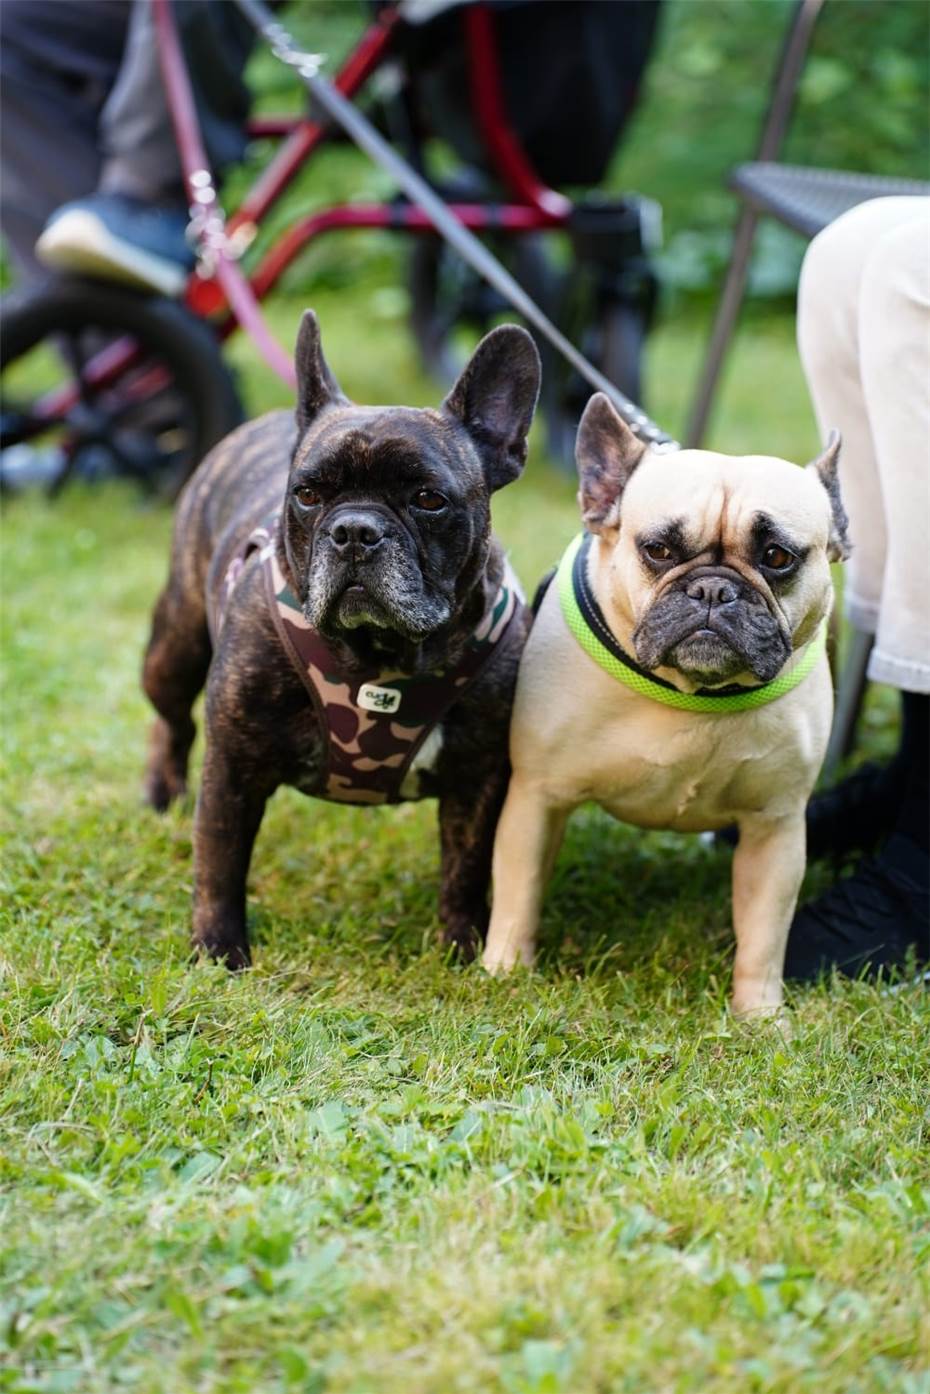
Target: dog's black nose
[
  {"x": 357, "y": 530},
  {"x": 712, "y": 590}
]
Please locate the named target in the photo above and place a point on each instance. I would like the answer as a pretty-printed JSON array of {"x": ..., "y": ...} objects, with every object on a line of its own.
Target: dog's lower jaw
[
  {"x": 708, "y": 661},
  {"x": 354, "y": 611},
  {"x": 711, "y": 654}
]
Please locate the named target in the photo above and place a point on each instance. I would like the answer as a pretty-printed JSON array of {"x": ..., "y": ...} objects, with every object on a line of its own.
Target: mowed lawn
[{"x": 358, "y": 1168}]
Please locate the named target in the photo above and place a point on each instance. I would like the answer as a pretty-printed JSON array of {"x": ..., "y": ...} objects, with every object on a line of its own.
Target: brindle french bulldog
[{"x": 335, "y": 582}]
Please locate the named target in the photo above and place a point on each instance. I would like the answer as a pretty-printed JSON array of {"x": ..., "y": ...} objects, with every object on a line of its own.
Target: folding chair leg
[
  {"x": 728, "y": 310},
  {"x": 784, "y": 87},
  {"x": 849, "y": 697}
]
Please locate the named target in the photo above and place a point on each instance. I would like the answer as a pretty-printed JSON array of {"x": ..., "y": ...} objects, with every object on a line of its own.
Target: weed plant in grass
[{"x": 358, "y": 1168}]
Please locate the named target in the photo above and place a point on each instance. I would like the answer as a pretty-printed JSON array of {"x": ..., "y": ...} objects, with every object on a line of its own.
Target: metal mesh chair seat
[
  {"x": 805, "y": 200},
  {"x": 808, "y": 200}
]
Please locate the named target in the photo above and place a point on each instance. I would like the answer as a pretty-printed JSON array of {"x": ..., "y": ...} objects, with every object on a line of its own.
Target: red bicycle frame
[
  {"x": 533, "y": 206},
  {"x": 222, "y": 292}
]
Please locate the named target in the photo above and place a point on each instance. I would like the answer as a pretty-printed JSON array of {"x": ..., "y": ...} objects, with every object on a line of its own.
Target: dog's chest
[
  {"x": 581, "y": 736},
  {"x": 687, "y": 772},
  {"x": 319, "y": 750},
  {"x": 685, "y": 781},
  {"x": 378, "y": 734}
]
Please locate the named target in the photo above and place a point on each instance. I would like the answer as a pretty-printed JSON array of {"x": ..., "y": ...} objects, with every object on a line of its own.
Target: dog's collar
[{"x": 586, "y": 621}]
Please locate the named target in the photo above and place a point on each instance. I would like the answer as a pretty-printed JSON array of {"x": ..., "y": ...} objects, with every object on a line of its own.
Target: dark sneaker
[
  {"x": 854, "y": 816},
  {"x": 120, "y": 239},
  {"x": 867, "y": 923}
]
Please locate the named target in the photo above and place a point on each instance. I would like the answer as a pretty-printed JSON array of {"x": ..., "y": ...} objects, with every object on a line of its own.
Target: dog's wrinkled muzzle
[
  {"x": 712, "y": 625},
  {"x": 356, "y": 534},
  {"x": 364, "y": 572}
]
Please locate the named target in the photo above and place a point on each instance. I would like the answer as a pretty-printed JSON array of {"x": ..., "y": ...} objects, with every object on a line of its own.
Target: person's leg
[
  {"x": 140, "y": 156},
  {"x": 856, "y": 814},
  {"x": 894, "y": 332},
  {"x": 134, "y": 227},
  {"x": 57, "y": 64},
  {"x": 875, "y": 918},
  {"x": 829, "y": 345}
]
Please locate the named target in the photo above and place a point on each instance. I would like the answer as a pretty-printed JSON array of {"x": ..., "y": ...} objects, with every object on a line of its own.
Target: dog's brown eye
[
  {"x": 306, "y": 497},
  {"x": 777, "y": 558},
  {"x": 657, "y": 551},
  {"x": 429, "y": 500}
]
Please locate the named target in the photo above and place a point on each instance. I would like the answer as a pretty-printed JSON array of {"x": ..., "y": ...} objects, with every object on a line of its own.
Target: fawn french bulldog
[{"x": 676, "y": 675}]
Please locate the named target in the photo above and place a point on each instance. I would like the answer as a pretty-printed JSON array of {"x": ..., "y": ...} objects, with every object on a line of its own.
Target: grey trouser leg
[
  {"x": 82, "y": 105},
  {"x": 140, "y": 157},
  {"x": 57, "y": 64}
]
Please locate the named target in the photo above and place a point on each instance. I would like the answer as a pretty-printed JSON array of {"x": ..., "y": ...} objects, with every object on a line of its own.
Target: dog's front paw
[
  {"x": 234, "y": 953},
  {"x": 465, "y": 940},
  {"x": 498, "y": 961},
  {"x": 464, "y": 930},
  {"x": 772, "y": 1014}
]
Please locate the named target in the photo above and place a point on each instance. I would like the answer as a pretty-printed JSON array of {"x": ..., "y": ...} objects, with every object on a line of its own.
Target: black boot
[
  {"x": 871, "y": 921},
  {"x": 855, "y": 814}
]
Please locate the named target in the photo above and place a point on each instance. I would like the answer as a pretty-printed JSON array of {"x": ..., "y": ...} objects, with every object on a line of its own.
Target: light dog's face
[
  {"x": 718, "y": 564},
  {"x": 387, "y": 515}
]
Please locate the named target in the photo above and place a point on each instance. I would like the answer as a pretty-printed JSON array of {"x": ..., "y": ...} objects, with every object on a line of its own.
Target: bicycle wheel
[{"x": 99, "y": 380}]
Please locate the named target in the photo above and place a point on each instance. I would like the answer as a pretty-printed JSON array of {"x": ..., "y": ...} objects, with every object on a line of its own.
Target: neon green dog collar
[{"x": 584, "y": 619}]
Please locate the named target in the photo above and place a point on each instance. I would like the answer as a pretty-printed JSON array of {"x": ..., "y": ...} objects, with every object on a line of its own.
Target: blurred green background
[{"x": 862, "y": 105}]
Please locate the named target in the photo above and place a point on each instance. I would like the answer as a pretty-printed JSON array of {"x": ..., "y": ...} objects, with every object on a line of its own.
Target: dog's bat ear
[
  {"x": 826, "y": 467},
  {"x": 607, "y": 453},
  {"x": 495, "y": 398},
  {"x": 316, "y": 386}
]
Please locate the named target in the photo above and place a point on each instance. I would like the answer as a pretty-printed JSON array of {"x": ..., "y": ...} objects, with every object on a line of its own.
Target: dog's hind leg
[{"x": 173, "y": 673}]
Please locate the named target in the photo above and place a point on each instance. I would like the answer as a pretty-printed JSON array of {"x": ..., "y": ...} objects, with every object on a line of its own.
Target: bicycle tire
[{"x": 165, "y": 329}]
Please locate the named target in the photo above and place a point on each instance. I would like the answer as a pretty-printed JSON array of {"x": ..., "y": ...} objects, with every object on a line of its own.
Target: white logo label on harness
[{"x": 378, "y": 699}]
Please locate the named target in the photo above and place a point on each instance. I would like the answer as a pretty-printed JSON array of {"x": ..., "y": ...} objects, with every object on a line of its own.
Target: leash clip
[{"x": 206, "y": 229}]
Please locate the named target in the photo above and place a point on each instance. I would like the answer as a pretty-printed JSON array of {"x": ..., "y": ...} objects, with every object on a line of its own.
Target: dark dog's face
[
  {"x": 387, "y": 515},
  {"x": 720, "y": 564}
]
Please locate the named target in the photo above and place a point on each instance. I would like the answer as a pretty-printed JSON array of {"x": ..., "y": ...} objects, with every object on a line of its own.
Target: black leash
[{"x": 470, "y": 249}]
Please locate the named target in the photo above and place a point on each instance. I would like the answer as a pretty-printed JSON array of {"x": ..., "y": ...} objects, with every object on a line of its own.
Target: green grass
[{"x": 358, "y": 1169}]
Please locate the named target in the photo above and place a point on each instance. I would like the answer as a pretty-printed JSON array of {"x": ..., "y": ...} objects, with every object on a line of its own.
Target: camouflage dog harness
[{"x": 375, "y": 722}]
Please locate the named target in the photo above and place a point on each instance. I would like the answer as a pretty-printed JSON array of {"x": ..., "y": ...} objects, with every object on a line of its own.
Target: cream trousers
[{"x": 864, "y": 338}]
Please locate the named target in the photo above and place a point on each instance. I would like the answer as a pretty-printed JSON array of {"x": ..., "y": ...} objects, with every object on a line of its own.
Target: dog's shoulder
[
  {"x": 475, "y": 727},
  {"x": 247, "y": 447},
  {"x": 255, "y": 695},
  {"x": 240, "y": 480}
]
